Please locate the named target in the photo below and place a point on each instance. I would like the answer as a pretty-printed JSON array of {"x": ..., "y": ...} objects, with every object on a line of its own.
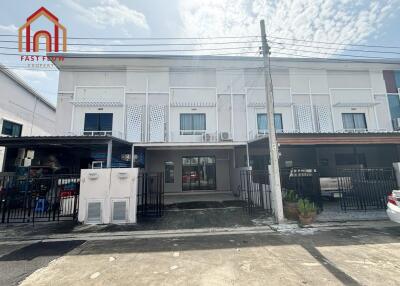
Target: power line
[
  {"x": 147, "y": 38},
  {"x": 145, "y": 45},
  {"x": 221, "y": 37},
  {"x": 340, "y": 55},
  {"x": 153, "y": 51},
  {"x": 339, "y": 44},
  {"x": 332, "y": 48}
]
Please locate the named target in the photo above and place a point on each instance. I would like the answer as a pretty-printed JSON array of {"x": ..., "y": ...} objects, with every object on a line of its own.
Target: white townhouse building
[
  {"x": 200, "y": 118},
  {"x": 23, "y": 112}
]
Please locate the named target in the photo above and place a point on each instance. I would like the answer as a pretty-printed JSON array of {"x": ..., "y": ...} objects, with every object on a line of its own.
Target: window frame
[
  {"x": 14, "y": 124},
  {"x": 265, "y": 131},
  {"x": 98, "y": 128},
  {"x": 192, "y": 131},
  {"x": 353, "y": 120}
]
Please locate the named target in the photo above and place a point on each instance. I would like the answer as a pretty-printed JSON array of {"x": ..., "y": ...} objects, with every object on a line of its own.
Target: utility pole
[{"x": 273, "y": 146}]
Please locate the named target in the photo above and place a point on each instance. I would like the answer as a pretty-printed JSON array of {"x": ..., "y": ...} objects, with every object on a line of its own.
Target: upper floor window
[
  {"x": 394, "y": 106},
  {"x": 262, "y": 123},
  {"x": 98, "y": 123},
  {"x": 354, "y": 121},
  {"x": 192, "y": 123},
  {"x": 11, "y": 128}
]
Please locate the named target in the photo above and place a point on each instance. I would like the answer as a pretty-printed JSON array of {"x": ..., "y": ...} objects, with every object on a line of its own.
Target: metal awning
[
  {"x": 60, "y": 141},
  {"x": 313, "y": 139}
]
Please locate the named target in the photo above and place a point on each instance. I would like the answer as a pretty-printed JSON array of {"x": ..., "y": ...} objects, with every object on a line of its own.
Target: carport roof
[
  {"x": 59, "y": 141},
  {"x": 333, "y": 138}
]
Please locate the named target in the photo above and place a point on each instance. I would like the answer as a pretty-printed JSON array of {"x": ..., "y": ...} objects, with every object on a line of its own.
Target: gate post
[{"x": 396, "y": 166}]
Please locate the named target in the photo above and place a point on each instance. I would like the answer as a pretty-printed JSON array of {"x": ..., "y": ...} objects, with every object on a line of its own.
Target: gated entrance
[
  {"x": 150, "y": 195},
  {"x": 255, "y": 191},
  {"x": 365, "y": 188},
  {"x": 305, "y": 183},
  {"x": 38, "y": 199}
]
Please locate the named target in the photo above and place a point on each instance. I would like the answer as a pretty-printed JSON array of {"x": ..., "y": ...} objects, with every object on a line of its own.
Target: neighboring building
[
  {"x": 193, "y": 117},
  {"x": 23, "y": 112}
]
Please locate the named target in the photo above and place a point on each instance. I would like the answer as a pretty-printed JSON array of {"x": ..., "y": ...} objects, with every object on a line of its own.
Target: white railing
[
  {"x": 114, "y": 133},
  {"x": 193, "y": 136}
]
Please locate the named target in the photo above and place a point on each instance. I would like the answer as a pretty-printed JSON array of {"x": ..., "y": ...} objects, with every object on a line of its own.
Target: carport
[
  {"x": 353, "y": 170},
  {"x": 67, "y": 154}
]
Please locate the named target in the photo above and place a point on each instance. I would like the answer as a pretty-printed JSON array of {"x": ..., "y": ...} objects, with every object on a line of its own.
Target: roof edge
[{"x": 13, "y": 76}]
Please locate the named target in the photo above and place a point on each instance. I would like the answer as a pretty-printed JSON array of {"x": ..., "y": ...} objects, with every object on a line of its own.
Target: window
[
  {"x": 11, "y": 128},
  {"x": 262, "y": 123},
  {"x": 394, "y": 106},
  {"x": 354, "y": 121},
  {"x": 169, "y": 170},
  {"x": 192, "y": 123},
  {"x": 98, "y": 122}
]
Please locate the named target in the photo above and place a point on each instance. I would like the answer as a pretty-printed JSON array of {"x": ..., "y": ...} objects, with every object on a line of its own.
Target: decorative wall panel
[
  {"x": 323, "y": 118},
  {"x": 303, "y": 118},
  {"x": 135, "y": 123},
  {"x": 157, "y": 116}
]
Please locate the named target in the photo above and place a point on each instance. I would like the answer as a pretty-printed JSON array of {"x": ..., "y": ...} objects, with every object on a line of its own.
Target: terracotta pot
[
  {"x": 291, "y": 211},
  {"x": 307, "y": 219}
]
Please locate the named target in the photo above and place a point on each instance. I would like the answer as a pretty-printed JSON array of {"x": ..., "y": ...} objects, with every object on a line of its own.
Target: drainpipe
[
  {"x": 109, "y": 153},
  {"x": 247, "y": 156}
]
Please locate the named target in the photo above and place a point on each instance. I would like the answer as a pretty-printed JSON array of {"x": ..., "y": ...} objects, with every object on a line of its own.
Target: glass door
[{"x": 198, "y": 173}]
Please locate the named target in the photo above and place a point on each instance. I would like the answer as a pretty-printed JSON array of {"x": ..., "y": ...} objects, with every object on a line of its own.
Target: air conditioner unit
[
  {"x": 225, "y": 136},
  {"x": 207, "y": 137}
]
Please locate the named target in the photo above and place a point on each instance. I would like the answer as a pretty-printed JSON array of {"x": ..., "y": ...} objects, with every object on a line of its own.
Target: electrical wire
[{"x": 222, "y": 37}]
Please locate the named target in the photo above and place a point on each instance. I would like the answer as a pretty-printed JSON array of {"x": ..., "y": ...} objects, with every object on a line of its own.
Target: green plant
[
  {"x": 291, "y": 197},
  {"x": 306, "y": 207}
]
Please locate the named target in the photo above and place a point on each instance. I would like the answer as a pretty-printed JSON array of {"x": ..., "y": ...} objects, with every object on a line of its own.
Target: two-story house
[
  {"x": 196, "y": 117},
  {"x": 199, "y": 119}
]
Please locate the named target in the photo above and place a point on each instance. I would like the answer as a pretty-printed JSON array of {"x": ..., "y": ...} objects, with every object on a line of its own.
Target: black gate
[
  {"x": 49, "y": 198},
  {"x": 362, "y": 189},
  {"x": 305, "y": 182},
  {"x": 150, "y": 195},
  {"x": 255, "y": 191}
]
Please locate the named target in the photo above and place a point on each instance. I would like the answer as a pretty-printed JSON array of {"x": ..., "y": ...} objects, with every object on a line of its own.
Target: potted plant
[
  {"x": 290, "y": 207},
  {"x": 307, "y": 211}
]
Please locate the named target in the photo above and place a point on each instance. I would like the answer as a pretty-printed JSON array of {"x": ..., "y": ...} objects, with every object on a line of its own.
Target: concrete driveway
[{"x": 362, "y": 253}]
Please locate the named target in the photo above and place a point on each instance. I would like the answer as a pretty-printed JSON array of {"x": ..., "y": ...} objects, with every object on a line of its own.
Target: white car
[{"x": 393, "y": 206}]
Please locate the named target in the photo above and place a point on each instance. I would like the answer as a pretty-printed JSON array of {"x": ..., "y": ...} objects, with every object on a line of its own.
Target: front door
[{"x": 198, "y": 173}]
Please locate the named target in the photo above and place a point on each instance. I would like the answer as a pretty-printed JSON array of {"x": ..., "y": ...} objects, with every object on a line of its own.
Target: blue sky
[{"x": 339, "y": 21}]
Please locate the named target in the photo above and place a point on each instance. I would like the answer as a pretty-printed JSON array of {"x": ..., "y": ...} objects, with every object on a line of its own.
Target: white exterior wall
[
  {"x": 311, "y": 96},
  {"x": 19, "y": 105}
]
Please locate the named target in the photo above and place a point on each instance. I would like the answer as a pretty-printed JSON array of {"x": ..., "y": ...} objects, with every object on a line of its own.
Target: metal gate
[
  {"x": 305, "y": 182},
  {"x": 255, "y": 191},
  {"x": 150, "y": 195},
  {"x": 41, "y": 199},
  {"x": 367, "y": 188}
]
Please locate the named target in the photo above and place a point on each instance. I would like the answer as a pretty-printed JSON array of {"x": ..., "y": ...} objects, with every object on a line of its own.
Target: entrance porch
[{"x": 197, "y": 170}]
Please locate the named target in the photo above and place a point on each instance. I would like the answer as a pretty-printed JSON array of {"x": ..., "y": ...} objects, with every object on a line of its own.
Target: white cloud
[
  {"x": 8, "y": 28},
  {"x": 108, "y": 13},
  {"x": 339, "y": 21}
]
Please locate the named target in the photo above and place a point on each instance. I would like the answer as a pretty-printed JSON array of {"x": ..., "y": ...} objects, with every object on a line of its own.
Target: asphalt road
[
  {"x": 18, "y": 261},
  {"x": 366, "y": 253}
]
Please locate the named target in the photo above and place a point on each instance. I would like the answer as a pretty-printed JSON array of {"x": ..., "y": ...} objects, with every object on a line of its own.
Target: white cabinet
[{"x": 108, "y": 195}]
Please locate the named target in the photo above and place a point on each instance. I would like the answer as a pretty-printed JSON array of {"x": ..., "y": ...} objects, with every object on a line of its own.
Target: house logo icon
[{"x": 52, "y": 41}]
